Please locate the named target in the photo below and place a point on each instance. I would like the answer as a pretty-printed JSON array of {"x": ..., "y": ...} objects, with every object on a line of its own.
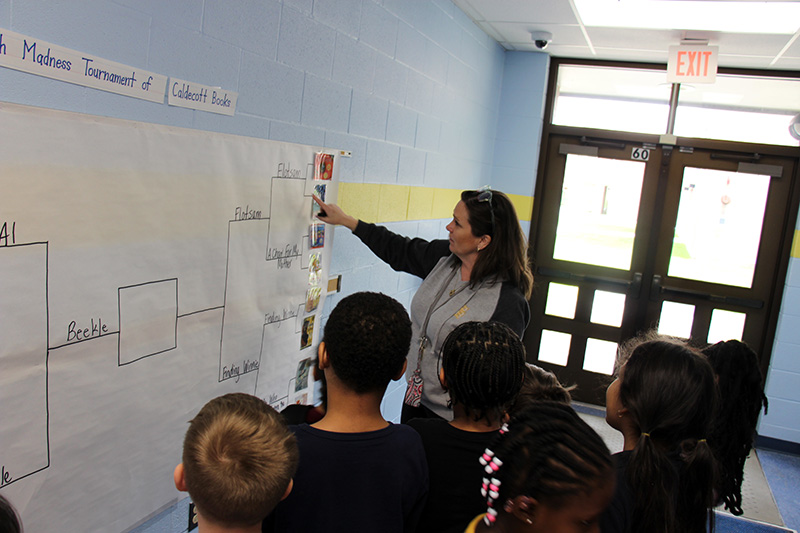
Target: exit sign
[{"x": 692, "y": 64}]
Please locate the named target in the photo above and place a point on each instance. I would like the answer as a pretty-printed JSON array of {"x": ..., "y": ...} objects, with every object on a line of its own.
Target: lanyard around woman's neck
[{"x": 423, "y": 335}]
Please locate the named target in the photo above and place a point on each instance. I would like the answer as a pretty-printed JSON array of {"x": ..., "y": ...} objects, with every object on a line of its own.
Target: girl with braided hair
[
  {"x": 662, "y": 402},
  {"x": 547, "y": 472},
  {"x": 482, "y": 368},
  {"x": 741, "y": 393}
]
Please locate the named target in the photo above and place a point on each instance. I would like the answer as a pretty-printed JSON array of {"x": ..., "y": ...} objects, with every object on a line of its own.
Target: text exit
[{"x": 695, "y": 64}]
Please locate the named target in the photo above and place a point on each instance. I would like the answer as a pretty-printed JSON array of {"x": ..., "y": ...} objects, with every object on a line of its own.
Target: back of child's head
[
  {"x": 540, "y": 385},
  {"x": 238, "y": 460},
  {"x": 9, "y": 520},
  {"x": 669, "y": 391},
  {"x": 483, "y": 365},
  {"x": 741, "y": 391},
  {"x": 367, "y": 338},
  {"x": 548, "y": 453}
]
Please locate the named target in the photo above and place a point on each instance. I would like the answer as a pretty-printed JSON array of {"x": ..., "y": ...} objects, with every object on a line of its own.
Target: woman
[{"x": 481, "y": 273}]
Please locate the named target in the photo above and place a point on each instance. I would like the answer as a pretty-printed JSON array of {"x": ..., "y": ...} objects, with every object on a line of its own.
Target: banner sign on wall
[
  {"x": 38, "y": 57},
  {"x": 195, "y": 96}
]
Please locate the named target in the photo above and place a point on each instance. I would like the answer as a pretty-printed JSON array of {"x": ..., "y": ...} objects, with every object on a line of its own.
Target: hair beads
[
  {"x": 490, "y": 488},
  {"x": 549, "y": 454}
]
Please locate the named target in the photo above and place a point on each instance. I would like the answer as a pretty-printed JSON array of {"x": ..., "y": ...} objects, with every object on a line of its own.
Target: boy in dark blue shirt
[{"x": 357, "y": 471}]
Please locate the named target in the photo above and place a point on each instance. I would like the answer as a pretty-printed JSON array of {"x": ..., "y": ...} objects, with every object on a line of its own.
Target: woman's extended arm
[{"x": 414, "y": 256}]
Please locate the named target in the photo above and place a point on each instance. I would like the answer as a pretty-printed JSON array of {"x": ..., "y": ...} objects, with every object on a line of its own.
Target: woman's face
[
  {"x": 579, "y": 514},
  {"x": 462, "y": 242}
]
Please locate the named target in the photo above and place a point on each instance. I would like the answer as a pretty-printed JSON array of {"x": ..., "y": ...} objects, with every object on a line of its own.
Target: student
[
  {"x": 238, "y": 462},
  {"x": 547, "y": 472},
  {"x": 540, "y": 384},
  {"x": 741, "y": 392},
  {"x": 9, "y": 520},
  {"x": 482, "y": 367},
  {"x": 662, "y": 402},
  {"x": 357, "y": 471}
]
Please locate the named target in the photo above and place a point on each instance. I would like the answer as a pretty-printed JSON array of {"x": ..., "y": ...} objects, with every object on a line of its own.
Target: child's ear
[
  {"x": 288, "y": 489},
  {"x": 322, "y": 353},
  {"x": 180, "y": 478},
  {"x": 523, "y": 508},
  {"x": 442, "y": 379},
  {"x": 402, "y": 371}
]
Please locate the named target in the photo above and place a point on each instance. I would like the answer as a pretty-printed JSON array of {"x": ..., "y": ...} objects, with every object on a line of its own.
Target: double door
[{"x": 629, "y": 236}]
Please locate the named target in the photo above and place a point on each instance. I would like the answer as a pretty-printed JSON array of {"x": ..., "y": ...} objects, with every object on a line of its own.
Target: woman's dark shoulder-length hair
[{"x": 507, "y": 253}]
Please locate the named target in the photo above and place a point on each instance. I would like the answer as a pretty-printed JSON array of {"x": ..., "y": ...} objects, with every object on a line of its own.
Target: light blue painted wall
[
  {"x": 412, "y": 87},
  {"x": 783, "y": 377},
  {"x": 520, "y": 122}
]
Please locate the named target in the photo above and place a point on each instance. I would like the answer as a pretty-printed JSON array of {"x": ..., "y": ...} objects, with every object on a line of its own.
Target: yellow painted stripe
[
  {"x": 375, "y": 202},
  {"x": 796, "y": 244}
]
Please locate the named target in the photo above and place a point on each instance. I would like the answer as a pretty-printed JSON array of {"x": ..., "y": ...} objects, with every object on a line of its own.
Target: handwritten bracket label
[
  {"x": 193, "y": 95},
  {"x": 5, "y": 477},
  {"x": 8, "y": 233},
  {"x": 34, "y": 56}
]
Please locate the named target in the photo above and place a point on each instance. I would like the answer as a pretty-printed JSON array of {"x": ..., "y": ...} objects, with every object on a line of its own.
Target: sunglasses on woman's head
[{"x": 485, "y": 195}]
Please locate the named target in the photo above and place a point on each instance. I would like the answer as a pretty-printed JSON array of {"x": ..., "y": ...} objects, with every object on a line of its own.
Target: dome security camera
[{"x": 541, "y": 39}]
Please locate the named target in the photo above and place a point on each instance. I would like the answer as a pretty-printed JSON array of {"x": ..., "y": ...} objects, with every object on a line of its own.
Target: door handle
[
  {"x": 657, "y": 288},
  {"x": 634, "y": 285}
]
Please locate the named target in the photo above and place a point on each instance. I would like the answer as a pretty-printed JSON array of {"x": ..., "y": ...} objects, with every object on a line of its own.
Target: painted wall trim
[
  {"x": 796, "y": 244},
  {"x": 383, "y": 202}
]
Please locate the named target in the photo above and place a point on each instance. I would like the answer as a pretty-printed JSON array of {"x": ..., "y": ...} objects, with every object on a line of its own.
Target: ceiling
[{"x": 510, "y": 23}]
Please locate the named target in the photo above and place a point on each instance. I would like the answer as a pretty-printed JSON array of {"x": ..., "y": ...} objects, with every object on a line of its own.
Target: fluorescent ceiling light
[{"x": 723, "y": 16}]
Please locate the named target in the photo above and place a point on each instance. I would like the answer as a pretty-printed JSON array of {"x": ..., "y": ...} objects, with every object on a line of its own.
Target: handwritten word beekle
[{"x": 79, "y": 334}]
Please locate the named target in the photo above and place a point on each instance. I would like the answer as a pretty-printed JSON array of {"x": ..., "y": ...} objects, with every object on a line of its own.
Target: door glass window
[
  {"x": 725, "y": 325},
  {"x": 676, "y": 319},
  {"x": 607, "y": 308},
  {"x": 598, "y": 211},
  {"x": 600, "y": 356},
  {"x": 561, "y": 300},
  {"x": 718, "y": 229},
  {"x": 554, "y": 347}
]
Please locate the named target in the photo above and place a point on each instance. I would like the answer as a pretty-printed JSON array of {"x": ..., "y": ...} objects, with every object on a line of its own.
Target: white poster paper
[{"x": 144, "y": 270}]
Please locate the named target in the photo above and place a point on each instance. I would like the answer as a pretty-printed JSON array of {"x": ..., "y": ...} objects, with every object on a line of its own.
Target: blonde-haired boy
[{"x": 238, "y": 461}]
